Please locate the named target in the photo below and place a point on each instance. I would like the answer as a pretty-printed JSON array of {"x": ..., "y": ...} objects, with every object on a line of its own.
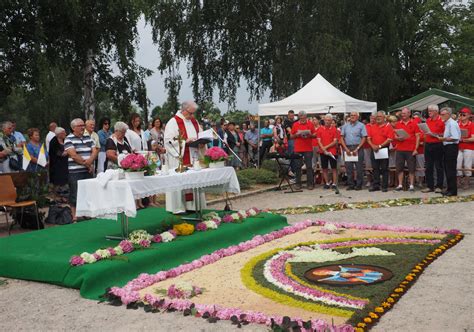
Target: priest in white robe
[{"x": 184, "y": 122}]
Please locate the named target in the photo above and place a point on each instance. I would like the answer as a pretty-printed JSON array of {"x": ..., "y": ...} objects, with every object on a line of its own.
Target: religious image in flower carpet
[
  {"x": 316, "y": 274},
  {"x": 348, "y": 275}
]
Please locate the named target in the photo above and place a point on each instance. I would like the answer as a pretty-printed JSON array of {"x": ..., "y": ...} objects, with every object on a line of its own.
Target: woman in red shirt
[{"x": 466, "y": 148}]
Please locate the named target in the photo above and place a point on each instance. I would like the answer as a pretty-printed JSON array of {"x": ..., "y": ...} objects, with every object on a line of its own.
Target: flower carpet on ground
[{"x": 314, "y": 274}]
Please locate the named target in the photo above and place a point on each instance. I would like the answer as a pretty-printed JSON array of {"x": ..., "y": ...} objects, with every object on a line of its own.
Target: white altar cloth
[{"x": 118, "y": 196}]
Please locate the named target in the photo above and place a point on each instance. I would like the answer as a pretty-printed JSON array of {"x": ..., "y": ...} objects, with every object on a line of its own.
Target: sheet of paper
[
  {"x": 464, "y": 133},
  {"x": 381, "y": 154},
  {"x": 331, "y": 155},
  {"x": 206, "y": 134},
  {"x": 351, "y": 158},
  {"x": 304, "y": 133},
  {"x": 401, "y": 133},
  {"x": 424, "y": 128}
]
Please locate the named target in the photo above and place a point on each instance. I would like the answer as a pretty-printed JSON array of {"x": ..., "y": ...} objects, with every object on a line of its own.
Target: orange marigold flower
[
  {"x": 361, "y": 325},
  {"x": 373, "y": 315},
  {"x": 386, "y": 304},
  {"x": 390, "y": 300},
  {"x": 358, "y": 329},
  {"x": 379, "y": 309},
  {"x": 398, "y": 290},
  {"x": 368, "y": 320}
]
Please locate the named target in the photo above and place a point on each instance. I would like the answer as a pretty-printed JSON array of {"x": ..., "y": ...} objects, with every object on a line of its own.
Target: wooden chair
[{"x": 8, "y": 201}]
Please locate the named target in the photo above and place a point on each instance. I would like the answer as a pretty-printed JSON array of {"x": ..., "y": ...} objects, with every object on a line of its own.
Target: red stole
[
  {"x": 182, "y": 129},
  {"x": 187, "y": 156}
]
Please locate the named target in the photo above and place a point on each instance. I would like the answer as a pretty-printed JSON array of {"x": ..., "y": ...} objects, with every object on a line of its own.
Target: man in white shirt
[
  {"x": 51, "y": 134},
  {"x": 450, "y": 139},
  {"x": 185, "y": 124}
]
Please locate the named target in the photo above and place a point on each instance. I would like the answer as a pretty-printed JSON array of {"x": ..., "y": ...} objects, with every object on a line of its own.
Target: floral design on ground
[
  {"x": 129, "y": 294},
  {"x": 372, "y": 205},
  {"x": 140, "y": 239}
]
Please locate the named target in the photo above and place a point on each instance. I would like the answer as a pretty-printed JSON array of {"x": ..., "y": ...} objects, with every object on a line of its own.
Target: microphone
[{"x": 177, "y": 152}]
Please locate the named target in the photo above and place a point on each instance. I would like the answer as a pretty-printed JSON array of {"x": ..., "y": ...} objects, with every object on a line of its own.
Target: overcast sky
[{"x": 148, "y": 56}]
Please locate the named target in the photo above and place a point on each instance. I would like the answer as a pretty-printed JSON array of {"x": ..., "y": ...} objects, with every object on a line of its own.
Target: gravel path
[{"x": 440, "y": 301}]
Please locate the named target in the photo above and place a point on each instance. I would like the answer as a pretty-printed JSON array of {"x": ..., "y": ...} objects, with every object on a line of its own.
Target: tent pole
[{"x": 258, "y": 150}]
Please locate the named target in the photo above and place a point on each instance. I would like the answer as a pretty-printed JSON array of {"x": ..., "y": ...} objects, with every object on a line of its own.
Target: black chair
[{"x": 283, "y": 168}]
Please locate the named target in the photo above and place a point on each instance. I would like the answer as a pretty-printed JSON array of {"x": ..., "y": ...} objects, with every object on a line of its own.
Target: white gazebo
[{"x": 317, "y": 97}]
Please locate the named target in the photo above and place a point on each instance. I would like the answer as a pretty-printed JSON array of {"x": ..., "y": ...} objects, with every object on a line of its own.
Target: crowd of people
[
  {"x": 379, "y": 152},
  {"x": 434, "y": 151}
]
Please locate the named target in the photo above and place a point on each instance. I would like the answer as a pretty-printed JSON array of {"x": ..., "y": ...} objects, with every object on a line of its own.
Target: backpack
[
  {"x": 28, "y": 221},
  {"x": 59, "y": 215}
]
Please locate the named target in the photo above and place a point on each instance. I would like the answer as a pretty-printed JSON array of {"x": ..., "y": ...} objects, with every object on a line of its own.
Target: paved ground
[{"x": 440, "y": 301}]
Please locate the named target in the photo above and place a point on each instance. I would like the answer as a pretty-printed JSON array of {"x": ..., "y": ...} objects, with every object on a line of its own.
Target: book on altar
[
  {"x": 426, "y": 130},
  {"x": 381, "y": 154},
  {"x": 204, "y": 137},
  {"x": 351, "y": 158},
  {"x": 464, "y": 133},
  {"x": 401, "y": 133}
]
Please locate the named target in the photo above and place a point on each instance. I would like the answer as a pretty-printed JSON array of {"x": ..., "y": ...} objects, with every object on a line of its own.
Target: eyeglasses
[{"x": 106, "y": 123}]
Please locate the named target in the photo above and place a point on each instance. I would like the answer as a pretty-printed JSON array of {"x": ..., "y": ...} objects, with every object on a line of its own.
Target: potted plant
[
  {"x": 135, "y": 165},
  {"x": 215, "y": 157}
]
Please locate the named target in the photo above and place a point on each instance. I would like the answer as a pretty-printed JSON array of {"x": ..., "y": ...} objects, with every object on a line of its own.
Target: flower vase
[
  {"x": 217, "y": 164},
  {"x": 134, "y": 175}
]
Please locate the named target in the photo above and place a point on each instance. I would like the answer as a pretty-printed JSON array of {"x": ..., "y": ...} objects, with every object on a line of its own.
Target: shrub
[
  {"x": 261, "y": 176},
  {"x": 244, "y": 181},
  {"x": 271, "y": 165}
]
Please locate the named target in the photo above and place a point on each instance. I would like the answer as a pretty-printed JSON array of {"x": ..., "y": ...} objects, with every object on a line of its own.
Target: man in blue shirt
[
  {"x": 353, "y": 136},
  {"x": 251, "y": 138},
  {"x": 450, "y": 139},
  {"x": 266, "y": 134}
]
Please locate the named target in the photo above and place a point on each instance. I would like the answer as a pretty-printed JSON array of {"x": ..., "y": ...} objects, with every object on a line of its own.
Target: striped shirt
[{"x": 83, "y": 146}]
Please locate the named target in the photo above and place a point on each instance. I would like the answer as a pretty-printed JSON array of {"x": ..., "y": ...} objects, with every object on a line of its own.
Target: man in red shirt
[
  {"x": 303, "y": 132},
  {"x": 379, "y": 137},
  {"x": 407, "y": 148},
  {"x": 368, "y": 151},
  {"x": 434, "y": 151},
  {"x": 466, "y": 148},
  {"x": 328, "y": 137}
]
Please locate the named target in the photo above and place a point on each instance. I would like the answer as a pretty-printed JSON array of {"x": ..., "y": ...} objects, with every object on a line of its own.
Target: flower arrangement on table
[
  {"x": 215, "y": 155},
  {"x": 139, "y": 239},
  {"x": 137, "y": 162},
  {"x": 134, "y": 162}
]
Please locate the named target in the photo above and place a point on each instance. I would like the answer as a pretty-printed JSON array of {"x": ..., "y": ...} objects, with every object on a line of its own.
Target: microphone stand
[
  {"x": 225, "y": 143},
  {"x": 181, "y": 168}
]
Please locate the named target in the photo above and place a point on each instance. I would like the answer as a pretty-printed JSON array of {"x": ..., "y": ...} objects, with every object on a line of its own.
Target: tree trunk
[{"x": 89, "y": 101}]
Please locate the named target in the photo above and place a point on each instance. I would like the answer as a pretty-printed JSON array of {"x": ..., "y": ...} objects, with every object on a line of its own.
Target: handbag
[{"x": 14, "y": 164}]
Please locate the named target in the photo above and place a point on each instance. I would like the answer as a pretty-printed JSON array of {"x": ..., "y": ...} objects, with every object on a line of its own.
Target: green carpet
[{"x": 44, "y": 255}]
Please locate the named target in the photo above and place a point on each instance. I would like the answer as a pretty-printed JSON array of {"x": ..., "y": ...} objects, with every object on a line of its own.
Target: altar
[{"x": 117, "y": 197}]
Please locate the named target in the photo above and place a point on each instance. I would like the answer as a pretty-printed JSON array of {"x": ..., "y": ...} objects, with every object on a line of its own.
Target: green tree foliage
[
  {"x": 62, "y": 34},
  {"x": 376, "y": 50}
]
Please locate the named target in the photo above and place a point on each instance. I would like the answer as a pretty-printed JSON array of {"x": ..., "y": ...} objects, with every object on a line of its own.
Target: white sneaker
[
  {"x": 412, "y": 188},
  {"x": 368, "y": 184},
  {"x": 292, "y": 181}
]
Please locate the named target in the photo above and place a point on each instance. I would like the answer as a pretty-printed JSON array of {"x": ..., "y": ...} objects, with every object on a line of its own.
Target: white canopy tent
[{"x": 317, "y": 97}]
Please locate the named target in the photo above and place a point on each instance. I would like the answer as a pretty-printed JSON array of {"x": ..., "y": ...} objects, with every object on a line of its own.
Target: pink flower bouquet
[
  {"x": 215, "y": 154},
  {"x": 134, "y": 163}
]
